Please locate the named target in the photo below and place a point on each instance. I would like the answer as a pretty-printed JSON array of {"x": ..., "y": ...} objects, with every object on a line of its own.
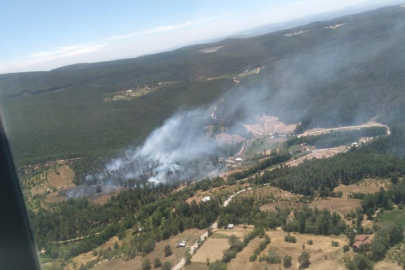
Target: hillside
[{"x": 344, "y": 71}]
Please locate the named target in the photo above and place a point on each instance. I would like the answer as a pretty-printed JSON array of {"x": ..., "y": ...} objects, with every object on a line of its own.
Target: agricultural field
[
  {"x": 214, "y": 246},
  {"x": 242, "y": 258},
  {"x": 323, "y": 255}
]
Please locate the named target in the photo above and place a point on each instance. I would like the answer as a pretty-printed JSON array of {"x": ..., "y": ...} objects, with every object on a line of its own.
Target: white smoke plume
[{"x": 177, "y": 150}]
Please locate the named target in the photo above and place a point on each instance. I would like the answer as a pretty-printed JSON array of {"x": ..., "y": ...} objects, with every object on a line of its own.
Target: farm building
[{"x": 361, "y": 239}]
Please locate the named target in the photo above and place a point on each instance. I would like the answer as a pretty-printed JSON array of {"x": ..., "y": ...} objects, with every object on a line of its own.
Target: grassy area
[
  {"x": 220, "y": 236},
  {"x": 395, "y": 215}
]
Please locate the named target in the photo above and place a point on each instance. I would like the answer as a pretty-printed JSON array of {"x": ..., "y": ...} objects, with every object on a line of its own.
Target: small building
[
  {"x": 181, "y": 244},
  {"x": 230, "y": 226},
  {"x": 361, "y": 239},
  {"x": 239, "y": 159},
  {"x": 206, "y": 199},
  {"x": 355, "y": 144}
]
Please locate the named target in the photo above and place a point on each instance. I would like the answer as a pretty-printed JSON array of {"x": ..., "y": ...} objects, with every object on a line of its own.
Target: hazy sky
[{"x": 45, "y": 34}]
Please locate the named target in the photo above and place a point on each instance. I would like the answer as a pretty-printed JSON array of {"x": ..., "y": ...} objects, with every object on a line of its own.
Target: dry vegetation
[
  {"x": 323, "y": 255},
  {"x": 366, "y": 186},
  {"x": 214, "y": 246},
  {"x": 61, "y": 176},
  {"x": 341, "y": 206},
  {"x": 86, "y": 257}
]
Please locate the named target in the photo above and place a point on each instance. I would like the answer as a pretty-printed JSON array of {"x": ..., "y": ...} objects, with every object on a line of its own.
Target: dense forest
[
  {"x": 325, "y": 77},
  {"x": 334, "y": 139}
]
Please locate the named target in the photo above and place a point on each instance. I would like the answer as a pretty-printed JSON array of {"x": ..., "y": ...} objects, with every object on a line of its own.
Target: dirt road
[
  {"x": 214, "y": 227},
  {"x": 323, "y": 131}
]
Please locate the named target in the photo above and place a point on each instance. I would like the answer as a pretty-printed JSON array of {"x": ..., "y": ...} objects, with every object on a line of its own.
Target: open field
[
  {"x": 366, "y": 186},
  {"x": 190, "y": 236},
  {"x": 213, "y": 249},
  {"x": 242, "y": 258},
  {"x": 320, "y": 250},
  {"x": 267, "y": 192},
  {"x": 61, "y": 176},
  {"x": 383, "y": 265},
  {"x": 86, "y": 257},
  {"x": 393, "y": 216},
  {"x": 215, "y": 245},
  {"x": 339, "y": 205}
]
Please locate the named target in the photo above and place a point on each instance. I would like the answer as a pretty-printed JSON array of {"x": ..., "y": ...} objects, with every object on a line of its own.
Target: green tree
[
  {"x": 217, "y": 265},
  {"x": 287, "y": 261},
  {"x": 273, "y": 257},
  {"x": 168, "y": 250},
  {"x": 166, "y": 266},
  {"x": 235, "y": 243},
  {"x": 359, "y": 262},
  {"x": 148, "y": 246},
  {"x": 304, "y": 260},
  {"x": 157, "y": 263},
  {"x": 187, "y": 256},
  {"x": 146, "y": 265}
]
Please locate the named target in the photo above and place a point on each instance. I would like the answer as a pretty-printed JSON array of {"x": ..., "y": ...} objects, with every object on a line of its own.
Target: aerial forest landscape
[{"x": 275, "y": 150}]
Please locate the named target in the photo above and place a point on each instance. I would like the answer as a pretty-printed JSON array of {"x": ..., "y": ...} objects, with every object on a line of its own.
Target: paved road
[{"x": 345, "y": 128}]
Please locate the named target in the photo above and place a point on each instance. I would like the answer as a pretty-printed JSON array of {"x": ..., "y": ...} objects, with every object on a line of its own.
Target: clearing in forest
[
  {"x": 341, "y": 206},
  {"x": 366, "y": 186},
  {"x": 61, "y": 176}
]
